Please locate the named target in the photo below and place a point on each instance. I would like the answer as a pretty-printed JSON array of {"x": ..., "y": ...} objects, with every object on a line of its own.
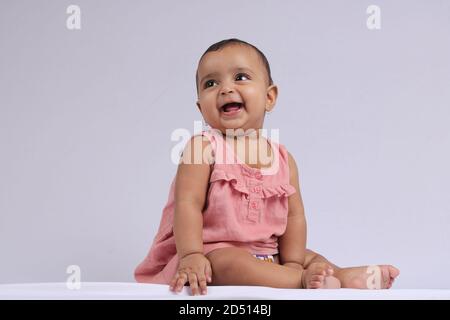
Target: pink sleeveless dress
[{"x": 245, "y": 207}]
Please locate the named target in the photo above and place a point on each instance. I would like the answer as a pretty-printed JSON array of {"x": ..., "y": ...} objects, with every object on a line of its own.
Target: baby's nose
[{"x": 226, "y": 90}]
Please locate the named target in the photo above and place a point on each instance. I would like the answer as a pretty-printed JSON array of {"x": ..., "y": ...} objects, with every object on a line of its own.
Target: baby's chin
[{"x": 240, "y": 131}]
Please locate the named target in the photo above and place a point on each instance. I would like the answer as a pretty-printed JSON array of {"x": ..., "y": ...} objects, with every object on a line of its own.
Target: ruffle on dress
[{"x": 282, "y": 190}]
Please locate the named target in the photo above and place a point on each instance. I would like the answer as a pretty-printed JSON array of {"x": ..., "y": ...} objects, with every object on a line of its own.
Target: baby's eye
[
  {"x": 242, "y": 75},
  {"x": 209, "y": 83}
]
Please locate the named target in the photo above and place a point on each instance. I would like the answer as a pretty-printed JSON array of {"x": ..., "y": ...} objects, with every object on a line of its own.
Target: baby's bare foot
[
  {"x": 319, "y": 276},
  {"x": 368, "y": 277}
]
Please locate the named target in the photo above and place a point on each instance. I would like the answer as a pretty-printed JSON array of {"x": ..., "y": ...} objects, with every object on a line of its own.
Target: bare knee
[
  {"x": 309, "y": 257},
  {"x": 225, "y": 263}
]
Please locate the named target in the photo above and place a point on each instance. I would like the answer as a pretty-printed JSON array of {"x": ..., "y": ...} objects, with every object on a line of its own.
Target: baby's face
[{"x": 233, "y": 89}]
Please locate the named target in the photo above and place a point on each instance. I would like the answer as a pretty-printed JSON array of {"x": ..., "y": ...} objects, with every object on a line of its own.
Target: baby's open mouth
[{"x": 231, "y": 107}]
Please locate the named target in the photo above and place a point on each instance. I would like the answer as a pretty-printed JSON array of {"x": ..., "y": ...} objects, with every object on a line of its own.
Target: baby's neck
[
  {"x": 247, "y": 148},
  {"x": 250, "y": 134}
]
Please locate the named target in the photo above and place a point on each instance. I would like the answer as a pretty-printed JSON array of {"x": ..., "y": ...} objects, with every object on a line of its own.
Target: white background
[{"x": 86, "y": 117}]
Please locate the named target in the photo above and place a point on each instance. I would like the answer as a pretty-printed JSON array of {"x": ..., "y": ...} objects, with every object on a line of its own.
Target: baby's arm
[
  {"x": 292, "y": 244},
  {"x": 191, "y": 186}
]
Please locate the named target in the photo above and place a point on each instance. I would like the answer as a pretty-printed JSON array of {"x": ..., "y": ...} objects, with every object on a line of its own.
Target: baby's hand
[{"x": 196, "y": 269}]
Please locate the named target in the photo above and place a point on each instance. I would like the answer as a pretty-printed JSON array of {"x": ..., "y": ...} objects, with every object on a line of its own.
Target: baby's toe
[
  {"x": 330, "y": 271},
  {"x": 318, "y": 278},
  {"x": 393, "y": 272}
]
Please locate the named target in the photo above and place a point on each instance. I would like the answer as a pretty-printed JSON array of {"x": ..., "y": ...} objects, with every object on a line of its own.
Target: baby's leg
[
  {"x": 368, "y": 277},
  {"x": 235, "y": 266},
  {"x": 364, "y": 277}
]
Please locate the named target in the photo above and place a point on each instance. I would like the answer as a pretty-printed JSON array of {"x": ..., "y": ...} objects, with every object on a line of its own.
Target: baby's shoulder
[
  {"x": 283, "y": 150},
  {"x": 290, "y": 159},
  {"x": 198, "y": 150}
]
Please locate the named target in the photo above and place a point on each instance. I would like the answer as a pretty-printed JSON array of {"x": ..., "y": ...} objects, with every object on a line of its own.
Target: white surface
[
  {"x": 124, "y": 291},
  {"x": 86, "y": 118}
]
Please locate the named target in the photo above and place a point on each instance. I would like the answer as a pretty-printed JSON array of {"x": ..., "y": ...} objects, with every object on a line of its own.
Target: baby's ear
[{"x": 272, "y": 94}]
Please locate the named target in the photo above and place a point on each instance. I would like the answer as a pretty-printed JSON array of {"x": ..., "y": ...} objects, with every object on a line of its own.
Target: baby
[{"x": 235, "y": 214}]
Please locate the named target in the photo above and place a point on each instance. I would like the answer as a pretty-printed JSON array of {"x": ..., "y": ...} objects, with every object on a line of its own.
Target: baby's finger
[
  {"x": 208, "y": 272},
  {"x": 193, "y": 283},
  {"x": 182, "y": 279},
  {"x": 202, "y": 283},
  {"x": 173, "y": 281}
]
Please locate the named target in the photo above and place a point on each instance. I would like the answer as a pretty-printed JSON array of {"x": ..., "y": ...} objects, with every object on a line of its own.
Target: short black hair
[{"x": 228, "y": 42}]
